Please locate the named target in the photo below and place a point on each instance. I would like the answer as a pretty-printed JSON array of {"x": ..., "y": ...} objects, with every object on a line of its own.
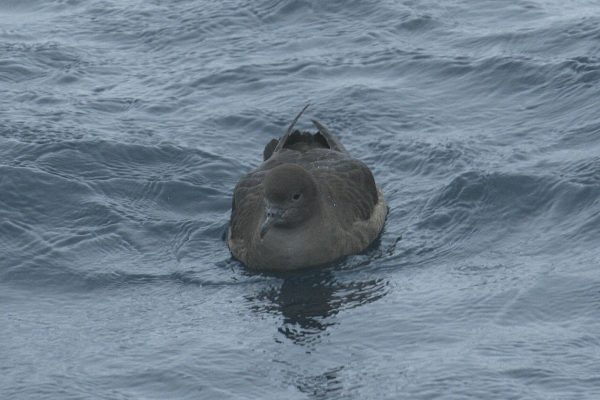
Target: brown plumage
[{"x": 308, "y": 203}]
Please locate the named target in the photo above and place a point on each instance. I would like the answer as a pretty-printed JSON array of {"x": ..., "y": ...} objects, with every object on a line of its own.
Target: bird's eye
[{"x": 296, "y": 196}]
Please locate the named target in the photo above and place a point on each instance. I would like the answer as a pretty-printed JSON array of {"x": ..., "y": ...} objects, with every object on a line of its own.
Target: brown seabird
[{"x": 309, "y": 203}]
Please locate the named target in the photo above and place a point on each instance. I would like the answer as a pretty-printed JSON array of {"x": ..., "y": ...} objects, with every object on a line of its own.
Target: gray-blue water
[{"x": 124, "y": 126}]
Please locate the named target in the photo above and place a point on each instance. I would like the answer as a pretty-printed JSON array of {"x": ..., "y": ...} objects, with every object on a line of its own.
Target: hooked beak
[{"x": 272, "y": 215}]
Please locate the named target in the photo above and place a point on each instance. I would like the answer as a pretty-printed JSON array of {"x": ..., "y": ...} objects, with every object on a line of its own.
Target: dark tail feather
[
  {"x": 269, "y": 148},
  {"x": 290, "y": 129},
  {"x": 331, "y": 140}
]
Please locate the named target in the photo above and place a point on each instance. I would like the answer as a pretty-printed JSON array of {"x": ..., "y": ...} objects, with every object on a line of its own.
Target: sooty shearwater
[{"x": 307, "y": 204}]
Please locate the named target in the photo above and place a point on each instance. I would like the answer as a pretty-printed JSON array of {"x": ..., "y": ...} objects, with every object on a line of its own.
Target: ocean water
[{"x": 125, "y": 125}]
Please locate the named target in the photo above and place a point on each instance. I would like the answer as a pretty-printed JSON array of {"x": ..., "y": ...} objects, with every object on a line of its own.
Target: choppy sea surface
[{"x": 125, "y": 124}]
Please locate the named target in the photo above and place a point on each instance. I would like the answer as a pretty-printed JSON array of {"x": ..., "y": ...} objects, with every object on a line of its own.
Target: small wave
[
  {"x": 289, "y": 11},
  {"x": 586, "y": 135},
  {"x": 421, "y": 159},
  {"x": 24, "y": 62},
  {"x": 479, "y": 210},
  {"x": 54, "y": 275},
  {"x": 96, "y": 161},
  {"x": 510, "y": 196},
  {"x": 557, "y": 299}
]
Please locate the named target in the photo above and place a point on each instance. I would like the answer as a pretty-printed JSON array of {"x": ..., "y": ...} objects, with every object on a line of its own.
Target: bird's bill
[{"x": 272, "y": 216}]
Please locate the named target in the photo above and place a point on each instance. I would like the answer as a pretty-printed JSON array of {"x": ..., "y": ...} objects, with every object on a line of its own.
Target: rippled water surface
[{"x": 124, "y": 126}]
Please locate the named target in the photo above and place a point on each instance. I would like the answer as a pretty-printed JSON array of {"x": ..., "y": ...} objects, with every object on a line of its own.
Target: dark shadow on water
[{"x": 309, "y": 301}]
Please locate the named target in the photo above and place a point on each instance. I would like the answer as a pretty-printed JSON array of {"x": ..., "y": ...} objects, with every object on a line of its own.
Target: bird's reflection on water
[{"x": 308, "y": 301}]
